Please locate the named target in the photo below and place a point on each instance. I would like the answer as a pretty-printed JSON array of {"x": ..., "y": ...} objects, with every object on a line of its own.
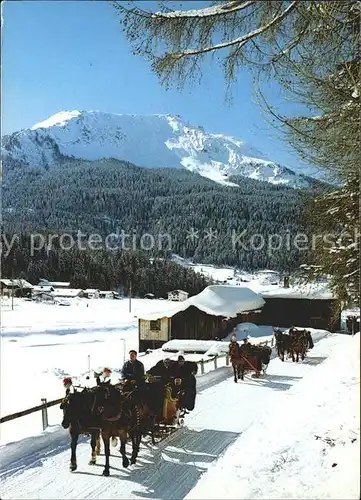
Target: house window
[{"x": 155, "y": 325}]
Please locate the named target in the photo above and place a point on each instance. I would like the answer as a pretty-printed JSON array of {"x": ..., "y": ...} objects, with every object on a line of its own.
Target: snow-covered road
[{"x": 224, "y": 413}]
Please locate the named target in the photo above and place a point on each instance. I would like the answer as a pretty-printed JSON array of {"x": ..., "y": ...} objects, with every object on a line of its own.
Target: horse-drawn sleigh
[
  {"x": 295, "y": 343},
  {"x": 248, "y": 358},
  {"x": 120, "y": 411}
]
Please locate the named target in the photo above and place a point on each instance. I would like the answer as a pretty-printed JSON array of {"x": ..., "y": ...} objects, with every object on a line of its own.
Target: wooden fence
[{"x": 47, "y": 404}]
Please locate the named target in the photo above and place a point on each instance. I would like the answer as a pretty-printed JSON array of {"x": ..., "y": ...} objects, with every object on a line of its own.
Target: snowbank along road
[{"x": 225, "y": 415}]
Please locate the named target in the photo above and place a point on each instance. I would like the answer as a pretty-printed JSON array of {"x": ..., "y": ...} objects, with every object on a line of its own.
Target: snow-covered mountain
[{"x": 147, "y": 141}]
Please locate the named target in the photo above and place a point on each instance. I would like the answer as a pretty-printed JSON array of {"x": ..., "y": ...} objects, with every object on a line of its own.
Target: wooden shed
[
  {"x": 286, "y": 312},
  {"x": 213, "y": 312}
]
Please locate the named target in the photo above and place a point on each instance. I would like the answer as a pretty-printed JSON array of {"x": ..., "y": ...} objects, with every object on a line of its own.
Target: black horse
[
  {"x": 79, "y": 419},
  {"x": 283, "y": 343}
]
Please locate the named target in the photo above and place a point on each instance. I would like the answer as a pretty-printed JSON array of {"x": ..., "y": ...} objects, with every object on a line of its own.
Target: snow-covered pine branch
[{"x": 215, "y": 10}]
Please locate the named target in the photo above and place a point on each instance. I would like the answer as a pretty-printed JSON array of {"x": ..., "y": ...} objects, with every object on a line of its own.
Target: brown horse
[
  {"x": 129, "y": 417},
  {"x": 300, "y": 342},
  {"x": 244, "y": 359}
]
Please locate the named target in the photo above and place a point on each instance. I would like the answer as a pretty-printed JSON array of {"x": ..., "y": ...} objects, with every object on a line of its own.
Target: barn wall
[
  {"x": 18, "y": 292},
  {"x": 195, "y": 324},
  {"x": 152, "y": 339},
  {"x": 289, "y": 312}
]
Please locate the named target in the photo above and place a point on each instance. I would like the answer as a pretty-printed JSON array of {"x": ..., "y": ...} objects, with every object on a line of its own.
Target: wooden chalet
[
  {"x": 178, "y": 295},
  {"x": 16, "y": 287},
  {"x": 211, "y": 313},
  {"x": 91, "y": 293}
]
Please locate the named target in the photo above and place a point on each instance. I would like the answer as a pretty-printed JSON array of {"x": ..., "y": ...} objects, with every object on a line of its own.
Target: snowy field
[
  {"x": 291, "y": 434},
  {"x": 265, "y": 281}
]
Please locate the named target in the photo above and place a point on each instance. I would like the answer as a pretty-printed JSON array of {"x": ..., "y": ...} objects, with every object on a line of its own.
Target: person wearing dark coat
[
  {"x": 355, "y": 325},
  {"x": 186, "y": 370},
  {"x": 164, "y": 370},
  {"x": 246, "y": 346},
  {"x": 349, "y": 324},
  {"x": 133, "y": 370}
]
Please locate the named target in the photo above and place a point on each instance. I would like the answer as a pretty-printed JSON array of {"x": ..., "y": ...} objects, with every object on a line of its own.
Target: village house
[
  {"x": 108, "y": 294},
  {"x": 178, "y": 295},
  {"x": 16, "y": 287},
  {"x": 91, "y": 293},
  {"x": 212, "y": 313},
  {"x": 44, "y": 297},
  {"x": 42, "y": 288},
  {"x": 68, "y": 293}
]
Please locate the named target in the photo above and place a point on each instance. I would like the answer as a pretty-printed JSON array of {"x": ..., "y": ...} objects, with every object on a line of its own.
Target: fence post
[
  {"x": 44, "y": 414},
  {"x": 202, "y": 366},
  {"x": 227, "y": 360},
  {"x": 215, "y": 362}
]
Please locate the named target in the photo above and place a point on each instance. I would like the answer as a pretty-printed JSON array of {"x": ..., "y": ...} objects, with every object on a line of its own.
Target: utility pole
[
  {"x": 12, "y": 289},
  {"x": 123, "y": 340}
]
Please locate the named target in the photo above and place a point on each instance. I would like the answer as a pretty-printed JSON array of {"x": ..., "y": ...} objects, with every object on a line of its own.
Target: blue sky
[{"x": 65, "y": 55}]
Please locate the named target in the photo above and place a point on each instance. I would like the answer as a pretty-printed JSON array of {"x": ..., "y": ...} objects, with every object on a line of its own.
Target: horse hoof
[
  {"x": 125, "y": 463},
  {"x": 72, "y": 467},
  {"x": 133, "y": 461},
  {"x": 106, "y": 473},
  {"x": 92, "y": 462}
]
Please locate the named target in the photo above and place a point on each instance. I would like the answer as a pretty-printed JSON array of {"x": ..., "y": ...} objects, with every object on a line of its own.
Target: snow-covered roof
[
  {"x": 216, "y": 300},
  {"x": 314, "y": 291},
  {"x": 353, "y": 311},
  {"x": 21, "y": 283},
  {"x": 67, "y": 292},
  {"x": 58, "y": 284},
  {"x": 42, "y": 288}
]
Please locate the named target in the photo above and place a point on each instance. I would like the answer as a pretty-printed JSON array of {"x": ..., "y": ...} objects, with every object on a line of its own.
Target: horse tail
[{"x": 310, "y": 340}]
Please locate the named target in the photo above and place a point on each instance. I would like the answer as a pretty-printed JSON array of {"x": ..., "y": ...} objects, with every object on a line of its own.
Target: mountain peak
[
  {"x": 59, "y": 119},
  {"x": 161, "y": 140}
]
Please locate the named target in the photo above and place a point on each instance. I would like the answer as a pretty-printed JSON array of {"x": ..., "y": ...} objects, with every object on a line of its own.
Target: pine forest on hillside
[{"x": 109, "y": 196}]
